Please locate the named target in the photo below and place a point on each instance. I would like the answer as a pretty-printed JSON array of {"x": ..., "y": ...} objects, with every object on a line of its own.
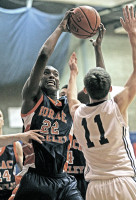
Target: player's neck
[
  {"x": 53, "y": 97},
  {"x": 51, "y": 94},
  {"x": 96, "y": 100}
]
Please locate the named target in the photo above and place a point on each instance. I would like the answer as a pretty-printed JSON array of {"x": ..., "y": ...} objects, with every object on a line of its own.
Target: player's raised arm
[
  {"x": 31, "y": 91},
  {"x": 97, "y": 47},
  {"x": 72, "y": 87},
  {"x": 129, "y": 92},
  {"x": 84, "y": 98}
]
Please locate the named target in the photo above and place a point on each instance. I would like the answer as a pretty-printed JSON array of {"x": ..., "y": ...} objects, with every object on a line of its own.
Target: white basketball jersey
[{"x": 104, "y": 137}]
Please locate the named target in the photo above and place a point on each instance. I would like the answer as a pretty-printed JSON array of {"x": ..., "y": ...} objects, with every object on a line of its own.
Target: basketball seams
[
  {"x": 87, "y": 19},
  {"x": 79, "y": 25},
  {"x": 96, "y": 19},
  {"x": 82, "y": 36},
  {"x": 84, "y": 22},
  {"x": 86, "y": 36}
]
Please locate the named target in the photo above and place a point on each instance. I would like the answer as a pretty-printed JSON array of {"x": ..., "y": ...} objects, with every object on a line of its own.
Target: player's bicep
[
  {"x": 19, "y": 155},
  {"x": 125, "y": 97},
  {"x": 29, "y": 90}
]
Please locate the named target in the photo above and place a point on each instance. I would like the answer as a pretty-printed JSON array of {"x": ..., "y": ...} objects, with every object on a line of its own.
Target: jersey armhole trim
[
  {"x": 34, "y": 108},
  {"x": 3, "y": 149}
]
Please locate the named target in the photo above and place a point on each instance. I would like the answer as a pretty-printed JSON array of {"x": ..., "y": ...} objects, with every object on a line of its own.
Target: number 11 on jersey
[{"x": 98, "y": 121}]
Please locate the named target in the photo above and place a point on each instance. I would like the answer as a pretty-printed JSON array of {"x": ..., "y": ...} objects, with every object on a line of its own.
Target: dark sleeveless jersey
[
  {"x": 8, "y": 158},
  {"x": 55, "y": 123},
  {"x": 76, "y": 160}
]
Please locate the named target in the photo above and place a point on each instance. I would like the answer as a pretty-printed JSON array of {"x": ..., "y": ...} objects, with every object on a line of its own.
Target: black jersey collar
[{"x": 96, "y": 103}]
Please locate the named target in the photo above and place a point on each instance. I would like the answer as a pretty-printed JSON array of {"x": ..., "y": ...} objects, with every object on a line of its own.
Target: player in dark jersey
[
  {"x": 8, "y": 160},
  {"x": 76, "y": 160},
  {"x": 41, "y": 109},
  {"x": 11, "y": 154}
]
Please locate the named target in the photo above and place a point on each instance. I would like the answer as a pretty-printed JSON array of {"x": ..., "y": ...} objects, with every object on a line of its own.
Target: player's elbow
[{"x": 45, "y": 53}]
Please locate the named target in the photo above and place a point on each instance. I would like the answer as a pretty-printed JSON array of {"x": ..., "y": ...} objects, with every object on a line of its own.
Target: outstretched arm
[
  {"x": 84, "y": 98},
  {"x": 24, "y": 137},
  {"x": 126, "y": 96},
  {"x": 72, "y": 87},
  {"x": 31, "y": 90},
  {"x": 97, "y": 47}
]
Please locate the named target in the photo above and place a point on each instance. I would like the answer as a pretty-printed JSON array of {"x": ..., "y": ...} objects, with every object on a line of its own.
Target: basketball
[{"x": 84, "y": 22}]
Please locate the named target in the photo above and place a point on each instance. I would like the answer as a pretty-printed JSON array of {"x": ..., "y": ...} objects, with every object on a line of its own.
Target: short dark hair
[
  {"x": 65, "y": 86},
  {"x": 97, "y": 83}
]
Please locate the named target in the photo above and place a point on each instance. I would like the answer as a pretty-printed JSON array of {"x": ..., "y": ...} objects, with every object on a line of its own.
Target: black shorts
[
  {"x": 5, "y": 194},
  {"x": 81, "y": 184},
  {"x": 38, "y": 187}
]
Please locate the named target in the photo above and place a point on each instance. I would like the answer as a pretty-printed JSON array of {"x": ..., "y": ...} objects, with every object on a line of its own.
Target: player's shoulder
[{"x": 77, "y": 108}]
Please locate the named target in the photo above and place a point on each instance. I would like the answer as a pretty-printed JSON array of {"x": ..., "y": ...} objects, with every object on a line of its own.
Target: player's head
[
  {"x": 50, "y": 80},
  {"x": 97, "y": 83},
  {"x": 63, "y": 91},
  {"x": 1, "y": 119}
]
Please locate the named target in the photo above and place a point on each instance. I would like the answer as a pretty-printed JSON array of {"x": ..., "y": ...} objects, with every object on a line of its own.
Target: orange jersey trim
[
  {"x": 34, "y": 108},
  {"x": 3, "y": 149},
  {"x": 17, "y": 179},
  {"x": 58, "y": 103},
  {"x": 69, "y": 146}
]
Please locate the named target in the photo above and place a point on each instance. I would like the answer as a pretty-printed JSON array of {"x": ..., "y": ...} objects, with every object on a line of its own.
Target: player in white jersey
[{"x": 101, "y": 127}]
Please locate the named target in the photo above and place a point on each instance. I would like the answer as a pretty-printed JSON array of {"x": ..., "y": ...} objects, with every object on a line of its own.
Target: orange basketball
[{"x": 84, "y": 22}]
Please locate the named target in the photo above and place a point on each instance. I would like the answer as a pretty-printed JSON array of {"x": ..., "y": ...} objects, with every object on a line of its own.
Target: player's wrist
[
  {"x": 97, "y": 46},
  {"x": 18, "y": 136},
  {"x": 60, "y": 27},
  {"x": 74, "y": 73},
  {"x": 132, "y": 33}
]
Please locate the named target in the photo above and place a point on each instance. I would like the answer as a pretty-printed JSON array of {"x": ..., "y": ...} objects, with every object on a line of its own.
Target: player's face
[
  {"x": 50, "y": 79},
  {"x": 1, "y": 119},
  {"x": 63, "y": 92}
]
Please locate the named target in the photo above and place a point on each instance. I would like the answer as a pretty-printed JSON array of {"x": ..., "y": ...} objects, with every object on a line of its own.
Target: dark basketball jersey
[
  {"x": 55, "y": 123},
  {"x": 8, "y": 159},
  {"x": 76, "y": 166},
  {"x": 76, "y": 162}
]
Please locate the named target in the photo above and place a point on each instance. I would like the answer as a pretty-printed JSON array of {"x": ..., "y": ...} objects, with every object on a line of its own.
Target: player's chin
[{"x": 51, "y": 87}]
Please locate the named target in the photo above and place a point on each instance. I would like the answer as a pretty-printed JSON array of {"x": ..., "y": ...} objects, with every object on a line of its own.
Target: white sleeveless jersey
[{"x": 104, "y": 137}]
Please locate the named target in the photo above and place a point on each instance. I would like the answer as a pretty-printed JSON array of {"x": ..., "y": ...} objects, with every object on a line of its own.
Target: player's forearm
[
  {"x": 50, "y": 43},
  {"x": 72, "y": 88},
  {"x": 132, "y": 37},
  {"x": 99, "y": 57},
  {"x": 132, "y": 80},
  {"x": 8, "y": 139}
]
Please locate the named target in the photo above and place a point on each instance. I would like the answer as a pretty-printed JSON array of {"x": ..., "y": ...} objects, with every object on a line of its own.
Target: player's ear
[
  {"x": 110, "y": 90},
  {"x": 85, "y": 91}
]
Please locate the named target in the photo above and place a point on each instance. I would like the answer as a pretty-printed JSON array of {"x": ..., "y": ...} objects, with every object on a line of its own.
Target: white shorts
[{"x": 120, "y": 188}]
